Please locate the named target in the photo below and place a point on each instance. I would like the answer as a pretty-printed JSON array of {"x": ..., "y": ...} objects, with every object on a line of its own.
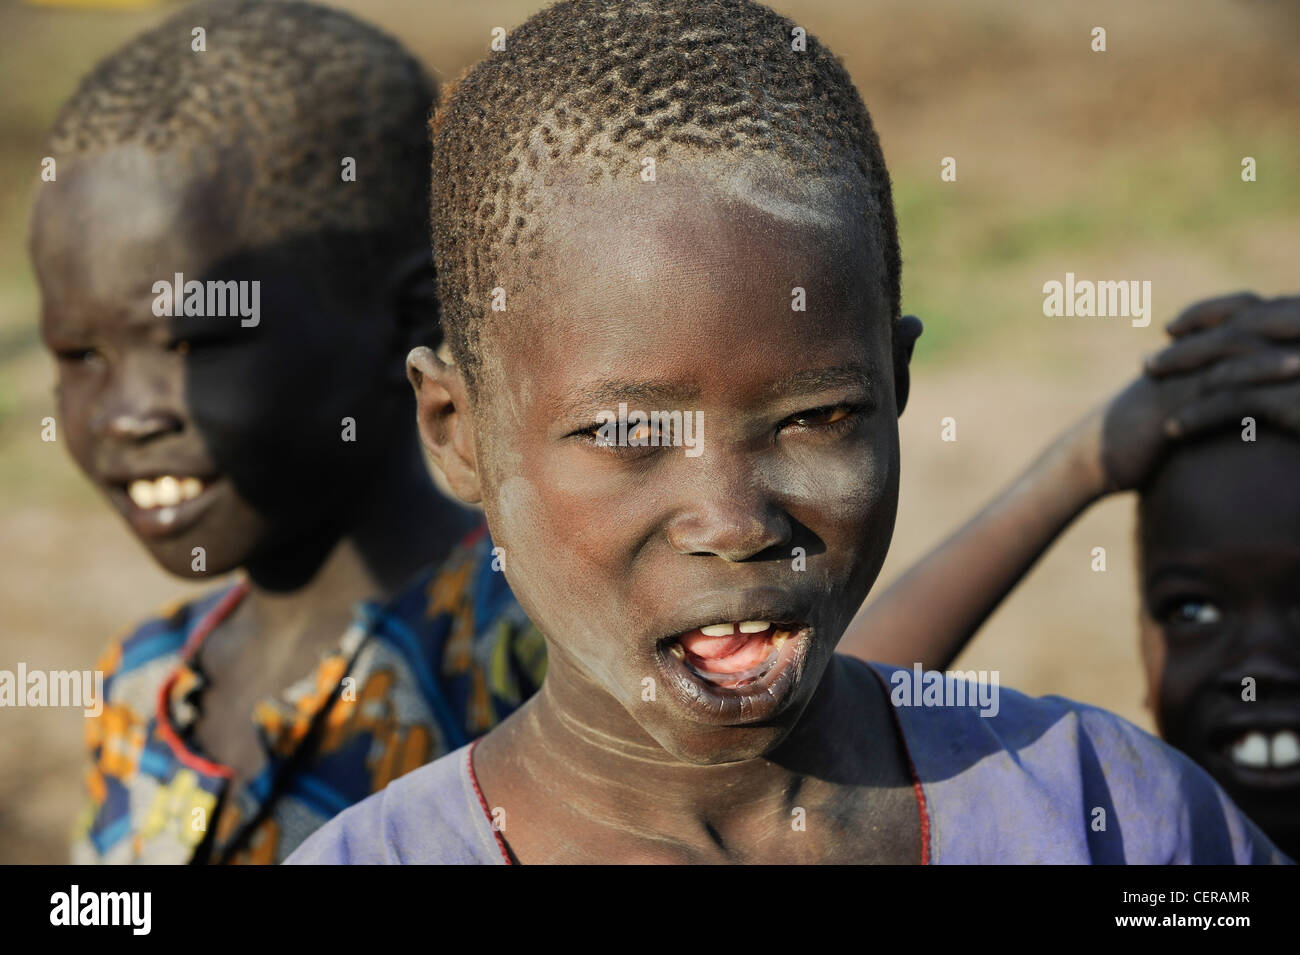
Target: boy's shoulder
[
  {"x": 432, "y": 816},
  {"x": 463, "y": 638},
  {"x": 137, "y": 661},
  {"x": 136, "y": 665},
  {"x": 1073, "y": 783}
]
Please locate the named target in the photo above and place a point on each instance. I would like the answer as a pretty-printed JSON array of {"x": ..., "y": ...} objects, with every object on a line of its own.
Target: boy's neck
[
  {"x": 404, "y": 523},
  {"x": 575, "y": 747},
  {"x": 401, "y": 525}
]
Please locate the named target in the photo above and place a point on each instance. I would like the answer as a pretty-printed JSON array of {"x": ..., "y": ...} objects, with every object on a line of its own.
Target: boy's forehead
[
  {"x": 1217, "y": 494},
  {"x": 119, "y": 219},
  {"x": 711, "y": 224},
  {"x": 646, "y": 281},
  {"x": 130, "y": 196}
]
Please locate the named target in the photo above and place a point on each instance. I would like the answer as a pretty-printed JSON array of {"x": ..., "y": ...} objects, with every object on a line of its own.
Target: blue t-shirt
[{"x": 1021, "y": 787}]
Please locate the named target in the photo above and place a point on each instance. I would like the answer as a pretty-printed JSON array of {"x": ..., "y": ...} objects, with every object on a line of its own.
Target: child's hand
[
  {"x": 1233, "y": 357},
  {"x": 1250, "y": 341}
]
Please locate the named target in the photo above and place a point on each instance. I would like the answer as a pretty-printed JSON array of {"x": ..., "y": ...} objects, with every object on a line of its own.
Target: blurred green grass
[{"x": 1189, "y": 193}]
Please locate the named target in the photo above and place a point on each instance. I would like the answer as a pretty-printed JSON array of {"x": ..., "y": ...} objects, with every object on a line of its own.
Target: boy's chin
[
  {"x": 186, "y": 557},
  {"x": 703, "y": 745}
]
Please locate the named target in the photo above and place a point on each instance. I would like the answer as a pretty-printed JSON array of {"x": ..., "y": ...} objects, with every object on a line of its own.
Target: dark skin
[
  {"x": 317, "y": 523},
  {"x": 1220, "y": 548},
  {"x": 685, "y": 303},
  {"x": 1220, "y": 553},
  {"x": 1231, "y": 357}
]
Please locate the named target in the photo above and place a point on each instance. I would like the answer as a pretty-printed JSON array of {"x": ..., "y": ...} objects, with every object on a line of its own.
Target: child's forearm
[{"x": 930, "y": 613}]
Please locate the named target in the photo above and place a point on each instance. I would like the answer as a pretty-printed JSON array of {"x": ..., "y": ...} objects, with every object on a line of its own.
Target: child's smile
[
  {"x": 123, "y": 406},
  {"x": 1221, "y": 620},
  {"x": 723, "y": 579},
  {"x": 203, "y": 432}
]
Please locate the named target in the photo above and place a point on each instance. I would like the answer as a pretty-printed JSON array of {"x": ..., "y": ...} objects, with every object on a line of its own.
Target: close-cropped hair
[
  {"x": 298, "y": 88},
  {"x": 597, "y": 85}
]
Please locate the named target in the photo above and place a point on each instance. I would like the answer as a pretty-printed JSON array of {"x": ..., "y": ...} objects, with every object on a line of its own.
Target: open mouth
[
  {"x": 163, "y": 505},
  {"x": 1265, "y": 749},
  {"x": 731, "y": 654},
  {"x": 166, "y": 491},
  {"x": 738, "y": 671},
  {"x": 1263, "y": 756}
]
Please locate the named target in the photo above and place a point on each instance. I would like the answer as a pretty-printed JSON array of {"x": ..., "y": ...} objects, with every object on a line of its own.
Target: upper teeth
[
  {"x": 166, "y": 491},
  {"x": 727, "y": 629},
  {"x": 1257, "y": 749}
]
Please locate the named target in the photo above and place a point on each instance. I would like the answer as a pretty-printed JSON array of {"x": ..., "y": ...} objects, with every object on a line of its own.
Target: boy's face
[
  {"x": 195, "y": 427},
  {"x": 677, "y": 297},
  {"x": 1221, "y": 559}
]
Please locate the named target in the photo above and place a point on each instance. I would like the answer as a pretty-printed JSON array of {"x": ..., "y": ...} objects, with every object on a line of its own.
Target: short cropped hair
[
  {"x": 606, "y": 82},
  {"x": 299, "y": 87}
]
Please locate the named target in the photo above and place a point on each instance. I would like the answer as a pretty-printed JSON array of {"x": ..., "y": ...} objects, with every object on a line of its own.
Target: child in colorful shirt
[
  {"x": 438, "y": 665},
  {"x": 234, "y": 261}
]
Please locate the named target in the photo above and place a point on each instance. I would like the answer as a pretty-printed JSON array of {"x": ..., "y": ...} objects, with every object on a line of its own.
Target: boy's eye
[
  {"x": 637, "y": 436},
  {"x": 824, "y": 417},
  {"x": 1191, "y": 613},
  {"x": 180, "y": 346},
  {"x": 79, "y": 356}
]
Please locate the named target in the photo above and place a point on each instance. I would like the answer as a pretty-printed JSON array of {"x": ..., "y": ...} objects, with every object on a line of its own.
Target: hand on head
[{"x": 1232, "y": 358}]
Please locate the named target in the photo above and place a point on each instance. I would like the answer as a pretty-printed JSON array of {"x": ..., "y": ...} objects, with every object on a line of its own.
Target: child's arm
[
  {"x": 1194, "y": 385},
  {"x": 929, "y": 613}
]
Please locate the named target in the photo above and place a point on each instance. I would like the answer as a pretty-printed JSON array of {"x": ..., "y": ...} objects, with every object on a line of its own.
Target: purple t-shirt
[{"x": 1021, "y": 787}]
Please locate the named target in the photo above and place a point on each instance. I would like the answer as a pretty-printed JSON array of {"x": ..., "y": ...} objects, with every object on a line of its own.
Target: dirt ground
[{"x": 1116, "y": 165}]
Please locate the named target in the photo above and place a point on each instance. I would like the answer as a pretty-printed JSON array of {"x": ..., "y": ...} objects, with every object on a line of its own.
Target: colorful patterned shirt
[{"x": 439, "y": 665}]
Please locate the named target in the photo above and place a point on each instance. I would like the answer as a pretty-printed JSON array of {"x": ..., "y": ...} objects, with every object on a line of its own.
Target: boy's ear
[
  {"x": 412, "y": 296},
  {"x": 445, "y": 420},
  {"x": 906, "y": 331}
]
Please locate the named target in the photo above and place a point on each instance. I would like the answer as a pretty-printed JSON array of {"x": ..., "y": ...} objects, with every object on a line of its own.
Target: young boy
[
  {"x": 1219, "y": 548},
  {"x": 229, "y": 226},
  {"x": 675, "y": 209}
]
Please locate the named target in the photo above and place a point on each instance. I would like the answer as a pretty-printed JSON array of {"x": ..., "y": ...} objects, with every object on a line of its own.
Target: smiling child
[
  {"x": 1218, "y": 539},
  {"x": 287, "y": 161},
  {"x": 1220, "y": 553},
  {"x": 681, "y": 209}
]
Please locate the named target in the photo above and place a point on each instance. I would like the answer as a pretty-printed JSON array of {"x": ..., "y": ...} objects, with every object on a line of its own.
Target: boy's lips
[
  {"x": 164, "y": 505},
  {"x": 735, "y": 672},
  {"x": 1261, "y": 754}
]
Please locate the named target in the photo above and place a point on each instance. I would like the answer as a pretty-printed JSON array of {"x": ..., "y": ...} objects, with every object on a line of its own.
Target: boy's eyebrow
[
  {"x": 1176, "y": 570},
  {"x": 822, "y": 379},
  {"x": 608, "y": 393},
  {"x": 647, "y": 394}
]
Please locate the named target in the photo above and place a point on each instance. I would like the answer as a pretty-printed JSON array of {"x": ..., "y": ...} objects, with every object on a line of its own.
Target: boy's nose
[
  {"x": 137, "y": 424},
  {"x": 728, "y": 533},
  {"x": 134, "y": 412},
  {"x": 1270, "y": 666},
  {"x": 732, "y": 519},
  {"x": 140, "y": 402}
]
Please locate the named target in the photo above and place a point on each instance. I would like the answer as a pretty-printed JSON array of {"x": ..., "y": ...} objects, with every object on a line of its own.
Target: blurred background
[{"x": 1117, "y": 165}]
